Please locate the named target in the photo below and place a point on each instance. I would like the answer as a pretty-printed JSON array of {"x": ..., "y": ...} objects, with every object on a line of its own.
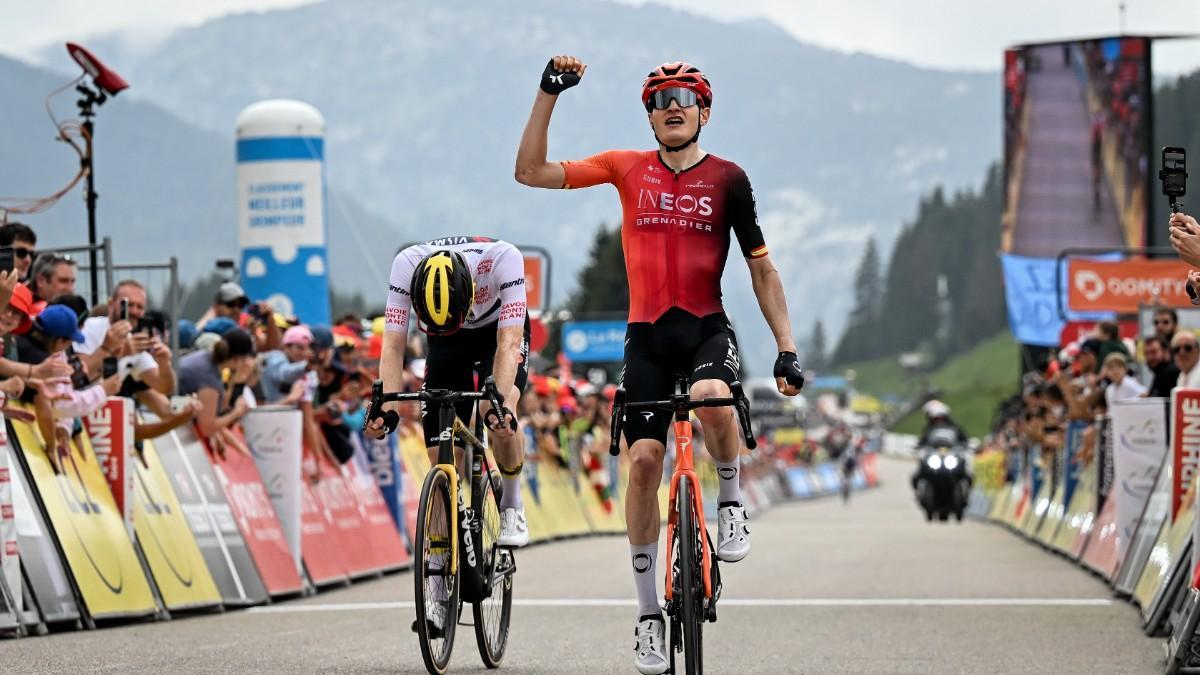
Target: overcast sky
[{"x": 943, "y": 33}]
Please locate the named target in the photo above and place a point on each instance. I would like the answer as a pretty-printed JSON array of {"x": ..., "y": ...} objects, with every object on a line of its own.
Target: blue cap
[
  {"x": 219, "y": 325},
  {"x": 322, "y": 337},
  {"x": 187, "y": 333},
  {"x": 59, "y": 321}
]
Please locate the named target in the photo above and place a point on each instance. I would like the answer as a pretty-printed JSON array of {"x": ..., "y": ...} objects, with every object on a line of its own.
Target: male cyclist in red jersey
[{"x": 680, "y": 205}]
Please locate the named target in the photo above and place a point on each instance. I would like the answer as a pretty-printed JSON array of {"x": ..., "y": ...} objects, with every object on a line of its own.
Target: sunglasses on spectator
[
  {"x": 23, "y": 253},
  {"x": 1183, "y": 349},
  {"x": 1162, "y": 322}
]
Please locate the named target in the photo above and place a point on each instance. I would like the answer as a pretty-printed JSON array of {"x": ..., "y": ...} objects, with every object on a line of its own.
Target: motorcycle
[{"x": 942, "y": 483}]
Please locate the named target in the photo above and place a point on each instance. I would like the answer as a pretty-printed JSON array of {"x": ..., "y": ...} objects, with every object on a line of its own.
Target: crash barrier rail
[
  {"x": 1119, "y": 499},
  {"x": 112, "y": 529}
]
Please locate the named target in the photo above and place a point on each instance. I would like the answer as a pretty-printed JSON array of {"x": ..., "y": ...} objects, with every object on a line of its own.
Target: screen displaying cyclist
[
  {"x": 681, "y": 206},
  {"x": 468, "y": 295}
]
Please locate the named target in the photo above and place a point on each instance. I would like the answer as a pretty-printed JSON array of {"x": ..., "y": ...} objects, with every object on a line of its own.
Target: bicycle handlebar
[
  {"x": 681, "y": 403},
  {"x": 437, "y": 397}
]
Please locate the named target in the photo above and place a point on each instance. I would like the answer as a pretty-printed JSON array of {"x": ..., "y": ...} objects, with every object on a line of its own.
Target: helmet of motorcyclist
[{"x": 935, "y": 409}]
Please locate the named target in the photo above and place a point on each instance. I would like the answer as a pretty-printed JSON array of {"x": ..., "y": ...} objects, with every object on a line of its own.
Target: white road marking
[{"x": 728, "y": 602}]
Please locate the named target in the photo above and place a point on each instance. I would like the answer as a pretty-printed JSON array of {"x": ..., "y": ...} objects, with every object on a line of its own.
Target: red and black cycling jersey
[{"x": 676, "y": 226}]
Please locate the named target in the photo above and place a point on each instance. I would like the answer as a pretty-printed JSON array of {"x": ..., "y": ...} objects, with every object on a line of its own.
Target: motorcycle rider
[{"x": 937, "y": 417}]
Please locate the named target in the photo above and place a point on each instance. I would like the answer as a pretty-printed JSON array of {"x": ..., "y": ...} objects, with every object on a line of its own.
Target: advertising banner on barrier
[
  {"x": 384, "y": 463},
  {"x": 10, "y": 560},
  {"x": 1164, "y": 558},
  {"x": 185, "y": 462},
  {"x": 274, "y": 434},
  {"x": 1185, "y": 442},
  {"x": 379, "y": 528},
  {"x": 111, "y": 430},
  {"x": 256, "y": 519},
  {"x": 1146, "y": 533},
  {"x": 84, "y": 515},
  {"x": 47, "y": 576},
  {"x": 414, "y": 465},
  {"x": 348, "y": 526},
  {"x": 167, "y": 542},
  {"x": 1100, "y": 550},
  {"x": 319, "y": 544},
  {"x": 1139, "y": 434}
]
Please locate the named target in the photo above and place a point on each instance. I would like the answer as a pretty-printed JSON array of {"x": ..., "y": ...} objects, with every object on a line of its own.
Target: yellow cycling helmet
[{"x": 442, "y": 291}]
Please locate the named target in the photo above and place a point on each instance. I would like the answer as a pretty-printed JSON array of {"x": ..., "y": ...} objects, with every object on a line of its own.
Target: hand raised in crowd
[
  {"x": 12, "y": 386},
  {"x": 159, "y": 350},
  {"x": 240, "y": 407},
  {"x": 51, "y": 369},
  {"x": 8, "y": 282},
  {"x": 48, "y": 389},
  {"x": 1185, "y": 238},
  {"x": 116, "y": 340},
  {"x": 112, "y": 384},
  {"x": 295, "y": 394},
  {"x": 1194, "y": 281},
  {"x": 139, "y": 342}
]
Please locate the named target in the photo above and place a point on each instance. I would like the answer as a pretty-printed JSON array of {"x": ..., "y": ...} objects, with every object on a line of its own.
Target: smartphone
[
  {"x": 8, "y": 260},
  {"x": 110, "y": 367},
  {"x": 1173, "y": 173},
  {"x": 79, "y": 376},
  {"x": 124, "y": 315}
]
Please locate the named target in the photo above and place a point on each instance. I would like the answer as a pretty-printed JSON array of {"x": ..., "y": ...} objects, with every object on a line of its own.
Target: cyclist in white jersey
[{"x": 468, "y": 295}]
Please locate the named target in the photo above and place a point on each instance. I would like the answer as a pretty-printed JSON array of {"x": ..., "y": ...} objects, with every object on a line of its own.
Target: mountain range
[{"x": 425, "y": 103}]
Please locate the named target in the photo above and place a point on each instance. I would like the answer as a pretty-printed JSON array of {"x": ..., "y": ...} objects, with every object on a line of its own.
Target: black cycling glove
[
  {"x": 555, "y": 82},
  {"x": 787, "y": 368}
]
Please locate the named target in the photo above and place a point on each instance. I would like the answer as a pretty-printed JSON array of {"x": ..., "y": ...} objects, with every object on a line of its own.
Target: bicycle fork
[{"x": 685, "y": 470}]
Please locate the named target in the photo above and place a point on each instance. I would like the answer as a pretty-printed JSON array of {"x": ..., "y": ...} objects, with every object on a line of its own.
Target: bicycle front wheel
[
  {"x": 689, "y": 582},
  {"x": 493, "y": 613},
  {"x": 435, "y": 586}
]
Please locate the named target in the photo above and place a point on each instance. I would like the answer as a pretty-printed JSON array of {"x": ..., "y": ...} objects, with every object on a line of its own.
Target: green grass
[{"x": 973, "y": 384}]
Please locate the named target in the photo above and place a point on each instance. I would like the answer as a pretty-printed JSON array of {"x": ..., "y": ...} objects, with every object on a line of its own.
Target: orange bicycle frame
[{"x": 685, "y": 469}]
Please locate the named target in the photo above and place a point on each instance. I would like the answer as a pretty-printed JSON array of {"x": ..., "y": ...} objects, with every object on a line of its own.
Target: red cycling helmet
[{"x": 677, "y": 74}]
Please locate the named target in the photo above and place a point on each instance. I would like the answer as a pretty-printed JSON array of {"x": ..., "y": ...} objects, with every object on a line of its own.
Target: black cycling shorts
[
  {"x": 461, "y": 361},
  {"x": 678, "y": 342}
]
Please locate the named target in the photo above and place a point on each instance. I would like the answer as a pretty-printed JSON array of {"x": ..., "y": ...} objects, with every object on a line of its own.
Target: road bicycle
[
  {"x": 693, "y": 583},
  {"x": 456, "y": 557}
]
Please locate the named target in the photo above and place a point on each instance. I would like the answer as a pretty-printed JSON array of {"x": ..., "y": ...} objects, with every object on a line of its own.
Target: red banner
[
  {"x": 255, "y": 516},
  {"x": 335, "y": 495},
  {"x": 1077, "y": 331},
  {"x": 319, "y": 544},
  {"x": 1123, "y": 285},
  {"x": 111, "y": 429},
  {"x": 380, "y": 529},
  {"x": 1185, "y": 443}
]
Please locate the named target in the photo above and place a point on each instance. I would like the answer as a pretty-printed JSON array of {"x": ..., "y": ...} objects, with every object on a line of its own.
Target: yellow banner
[
  {"x": 167, "y": 540},
  {"x": 85, "y": 517}
]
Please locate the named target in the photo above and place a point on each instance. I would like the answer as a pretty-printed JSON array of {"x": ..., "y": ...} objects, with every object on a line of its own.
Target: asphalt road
[{"x": 864, "y": 588}]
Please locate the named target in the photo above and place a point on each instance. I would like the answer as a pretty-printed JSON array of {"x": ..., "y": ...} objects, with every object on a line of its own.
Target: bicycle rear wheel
[
  {"x": 689, "y": 585},
  {"x": 492, "y": 614},
  {"x": 436, "y": 588}
]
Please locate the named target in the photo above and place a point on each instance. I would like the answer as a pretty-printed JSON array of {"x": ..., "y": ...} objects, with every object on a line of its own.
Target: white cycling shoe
[
  {"x": 648, "y": 639},
  {"x": 514, "y": 529},
  {"x": 733, "y": 534}
]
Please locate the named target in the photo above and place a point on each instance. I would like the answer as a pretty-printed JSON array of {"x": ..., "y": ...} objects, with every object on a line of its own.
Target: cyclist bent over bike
[
  {"x": 680, "y": 205},
  {"x": 468, "y": 294}
]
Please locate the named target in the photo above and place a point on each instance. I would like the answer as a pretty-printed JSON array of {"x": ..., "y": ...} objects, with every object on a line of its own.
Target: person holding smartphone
[{"x": 121, "y": 338}]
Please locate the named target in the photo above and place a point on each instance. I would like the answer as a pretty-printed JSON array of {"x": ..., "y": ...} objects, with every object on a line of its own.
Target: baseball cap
[
  {"x": 22, "y": 301},
  {"x": 187, "y": 333},
  {"x": 60, "y": 321},
  {"x": 230, "y": 293},
  {"x": 219, "y": 325},
  {"x": 239, "y": 341},
  {"x": 322, "y": 337},
  {"x": 298, "y": 335}
]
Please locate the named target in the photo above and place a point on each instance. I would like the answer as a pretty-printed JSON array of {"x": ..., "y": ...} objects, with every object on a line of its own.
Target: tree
[
  {"x": 858, "y": 342},
  {"x": 814, "y": 357}
]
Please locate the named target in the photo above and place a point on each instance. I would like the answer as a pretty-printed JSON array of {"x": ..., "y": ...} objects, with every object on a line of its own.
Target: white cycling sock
[
  {"x": 644, "y": 558},
  {"x": 729, "y": 482},
  {"x": 512, "y": 492}
]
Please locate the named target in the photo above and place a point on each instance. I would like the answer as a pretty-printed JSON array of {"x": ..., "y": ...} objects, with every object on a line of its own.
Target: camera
[{"x": 1173, "y": 174}]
